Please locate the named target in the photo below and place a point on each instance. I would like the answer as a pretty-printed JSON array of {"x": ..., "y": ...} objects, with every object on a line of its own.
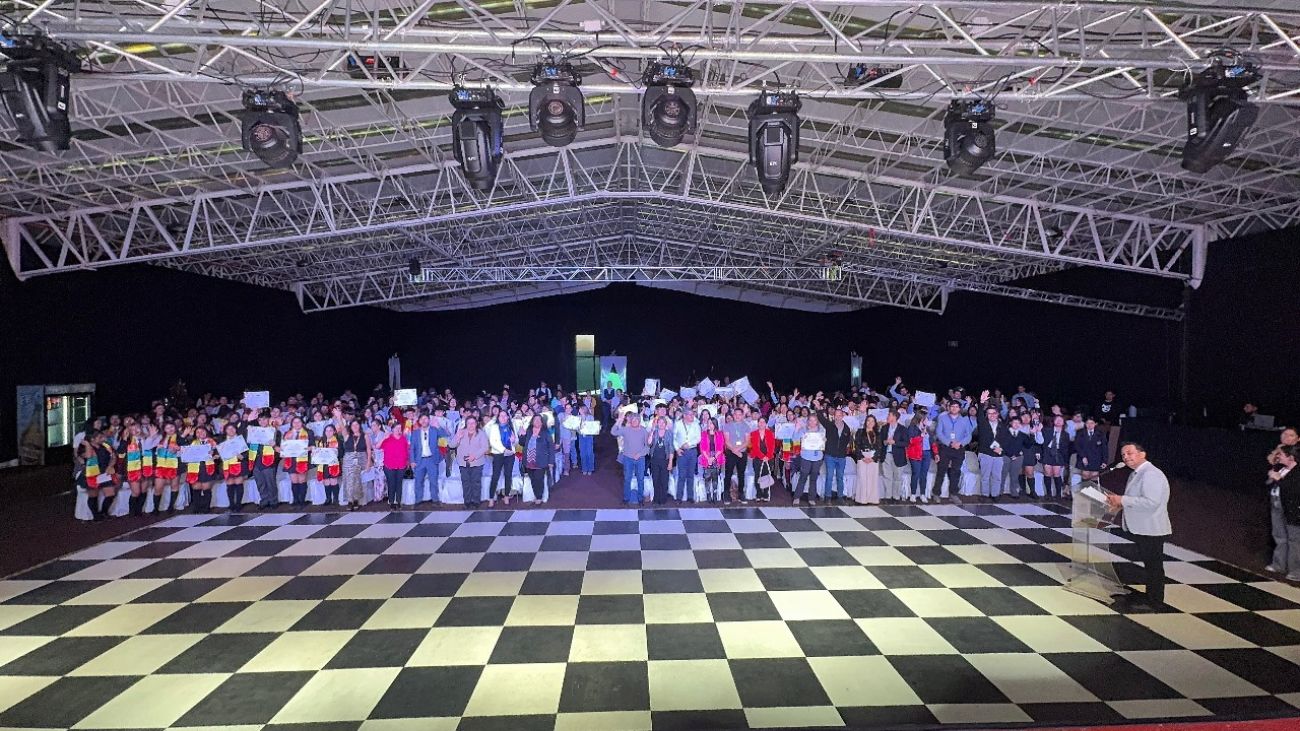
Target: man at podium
[{"x": 1146, "y": 519}]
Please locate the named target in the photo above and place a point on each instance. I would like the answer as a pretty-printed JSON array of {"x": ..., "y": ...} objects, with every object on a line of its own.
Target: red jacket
[
  {"x": 914, "y": 447},
  {"x": 766, "y": 449}
]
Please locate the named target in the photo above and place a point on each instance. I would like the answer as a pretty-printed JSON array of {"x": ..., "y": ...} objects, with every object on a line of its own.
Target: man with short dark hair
[{"x": 1145, "y": 503}]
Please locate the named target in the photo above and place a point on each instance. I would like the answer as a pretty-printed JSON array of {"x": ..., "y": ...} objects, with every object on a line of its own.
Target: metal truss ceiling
[{"x": 1087, "y": 171}]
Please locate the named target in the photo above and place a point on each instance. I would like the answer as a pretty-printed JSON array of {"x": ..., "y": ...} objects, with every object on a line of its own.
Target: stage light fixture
[
  {"x": 36, "y": 88},
  {"x": 774, "y": 138},
  {"x": 1218, "y": 111},
  {"x": 555, "y": 105},
  {"x": 414, "y": 267},
  {"x": 476, "y": 132},
  {"x": 270, "y": 127},
  {"x": 969, "y": 140},
  {"x": 861, "y": 73},
  {"x": 668, "y": 108}
]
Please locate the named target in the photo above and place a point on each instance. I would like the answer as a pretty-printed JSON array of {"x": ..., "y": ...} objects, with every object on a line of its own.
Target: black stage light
[
  {"x": 270, "y": 127},
  {"x": 555, "y": 105},
  {"x": 861, "y": 73},
  {"x": 476, "y": 134},
  {"x": 1218, "y": 113},
  {"x": 968, "y": 140},
  {"x": 668, "y": 108},
  {"x": 414, "y": 267},
  {"x": 774, "y": 138},
  {"x": 36, "y": 88}
]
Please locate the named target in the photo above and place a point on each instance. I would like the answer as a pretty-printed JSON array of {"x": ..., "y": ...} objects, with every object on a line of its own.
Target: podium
[{"x": 1090, "y": 572}]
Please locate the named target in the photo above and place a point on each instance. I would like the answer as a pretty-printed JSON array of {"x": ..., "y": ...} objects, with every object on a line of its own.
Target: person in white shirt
[
  {"x": 686, "y": 437},
  {"x": 1146, "y": 518}
]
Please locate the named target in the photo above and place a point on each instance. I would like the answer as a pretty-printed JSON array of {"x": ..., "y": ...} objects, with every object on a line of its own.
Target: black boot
[
  {"x": 106, "y": 506},
  {"x": 171, "y": 501},
  {"x": 92, "y": 502}
]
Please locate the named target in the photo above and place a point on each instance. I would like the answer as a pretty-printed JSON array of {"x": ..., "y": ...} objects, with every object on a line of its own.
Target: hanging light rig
[
  {"x": 477, "y": 134},
  {"x": 556, "y": 108}
]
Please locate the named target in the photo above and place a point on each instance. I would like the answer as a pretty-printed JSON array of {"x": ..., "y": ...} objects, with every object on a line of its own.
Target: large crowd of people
[{"x": 730, "y": 446}]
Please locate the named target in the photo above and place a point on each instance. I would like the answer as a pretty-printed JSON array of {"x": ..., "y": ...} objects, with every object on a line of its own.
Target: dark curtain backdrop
[{"x": 135, "y": 330}]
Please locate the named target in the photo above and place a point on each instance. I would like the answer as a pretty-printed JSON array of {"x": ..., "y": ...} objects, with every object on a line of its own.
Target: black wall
[{"x": 124, "y": 329}]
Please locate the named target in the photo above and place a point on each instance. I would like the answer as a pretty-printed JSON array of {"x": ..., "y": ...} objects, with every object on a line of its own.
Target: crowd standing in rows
[{"x": 358, "y": 447}]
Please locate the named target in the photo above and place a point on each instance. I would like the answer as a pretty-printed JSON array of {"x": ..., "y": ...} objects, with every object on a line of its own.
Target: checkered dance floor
[{"x": 625, "y": 619}]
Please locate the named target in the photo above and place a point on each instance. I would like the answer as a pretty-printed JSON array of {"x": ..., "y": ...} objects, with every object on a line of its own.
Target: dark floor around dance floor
[{"x": 584, "y": 615}]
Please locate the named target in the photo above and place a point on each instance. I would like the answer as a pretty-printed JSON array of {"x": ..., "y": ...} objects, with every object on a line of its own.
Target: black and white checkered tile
[{"x": 627, "y": 619}]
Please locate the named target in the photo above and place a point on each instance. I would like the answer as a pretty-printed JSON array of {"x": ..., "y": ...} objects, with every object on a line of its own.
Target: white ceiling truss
[{"x": 1087, "y": 171}]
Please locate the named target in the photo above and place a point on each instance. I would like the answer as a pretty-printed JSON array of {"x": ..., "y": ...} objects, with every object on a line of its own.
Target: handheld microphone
[{"x": 1113, "y": 467}]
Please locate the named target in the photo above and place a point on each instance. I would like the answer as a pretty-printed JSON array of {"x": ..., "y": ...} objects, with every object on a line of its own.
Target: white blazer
[{"x": 1146, "y": 502}]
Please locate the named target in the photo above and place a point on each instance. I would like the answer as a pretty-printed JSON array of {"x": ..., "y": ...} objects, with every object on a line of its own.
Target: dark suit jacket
[
  {"x": 1094, "y": 449},
  {"x": 900, "y": 444},
  {"x": 1289, "y": 492},
  {"x": 987, "y": 434}
]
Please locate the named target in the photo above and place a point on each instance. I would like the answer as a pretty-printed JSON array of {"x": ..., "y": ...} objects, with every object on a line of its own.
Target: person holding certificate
[
  {"x": 130, "y": 460},
  {"x": 586, "y": 442},
  {"x": 328, "y": 471},
  {"x": 234, "y": 470},
  {"x": 166, "y": 470},
  {"x": 297, "y": 466},
  {"x": 866, "y": 488},
  {"x": 202, "y": 474},
  {"x": 812, "y": 446},
  {"x": 262, "y": 460}
]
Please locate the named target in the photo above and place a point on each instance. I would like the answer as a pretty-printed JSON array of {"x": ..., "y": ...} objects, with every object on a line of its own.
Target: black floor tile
[
  {"x": 742, "y": 606},
  {"x": 1260, "y": 667},
  {"x": 996, "y": 601},
  {"x": 831, "y": 638},
  {"x": 611, "y": 609},
  {"x": 930, "y": 554},
  {"x": 429, "y": 692},
  {"x": 427, "y": 585},
  {"x": 340, "y": 530},
  {"x": 541, "y": 722},
  {"x": 794, "y": 525},
  {"x": 246, "y": 699},
  {"x": 378, "y": 648},
  {"x": 566, "y": 543},
  {"x": 951, "y": 537},
  {"x": 308, "y": 587},
  {"x": 432, "y": 530},
  {"x": 65, "y": 702},
  {"x": 904, "y": 577},
  {"x": 1012, "y": 574},
  {"x": 697, "y": 720},
  {"x": 869, "y": 603},
  {"x": 605, "y": 686},
  {"x": 1258, "y": 706},
  {"x": 945, "y": 679},
  {"x": 671, "y": 582},
  {"x": 157, "y": 549},
  {"x": 197, "y": 618},
  {"x": 55, "y": 592},
  {"x": 466, "y": 544},
  {"x": 777, "y": 682},
  {"x": 54, "y": 621},
  {"x": 532, "y": 644},
  {"x": 792, "y": 579},
  {"x": 761, "y": 540},
  {"x": 262, "y": 548},
  {"x": 888, "y": 717},
  {"x": 1248, "y": 597},
  {"x": 1071, "y": 714},
  {"x": 721, "y": 559},
  {"x": 475, "y": 611},
  {"x": 223, "y": 653},
  {"x": 1033, "y": 554},
  {"x": 615, "y": 527},
  {"x": 574, "y": 515},
  {"x": 396, "y": 563},
  {"x": 1110, "y": 677},
  {"x": 553, "y": 582},
  {"x": 505, "y": 562},
  {"x": 53, "y": 570},
  {"x": 338, "y": 614},
  {"x": 179, "y": 591},
  {"x": 1254, "y": 628},
  {"x": 1119, "y": 633},
  {"x": 525, "y": 528},
  {"x": 826, "y": 557},
  {"x": 168, "y": 568},
  {"x": 706, "y": 526},
  {"x": 850, "y": 538},
  {"x": 366, "y": 546},
  {"x": 976, "y": 635},
  {"x": 60, "y": 656},
  {"x": 613, "y": 560},
  {"x": 283, "y": 566},
  {"x": 684, "y": 642},
  {"x": 665, "y": 542}
]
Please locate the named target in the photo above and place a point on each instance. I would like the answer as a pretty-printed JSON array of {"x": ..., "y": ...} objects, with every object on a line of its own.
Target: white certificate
[
  {"x": 667, "y": 394},
  {"x": 814, "y": 441},
  {"x": 651, "y": 387},
  {"x": 750, "y": 396},
  {"x": 785, "y": 431},
  {"x": 405, "y": 397},
  {"x": 232, "y": 448},
  {"x": 589, "y": 428},
  {"x": 293, "y": 448},
  {"x": 318, "y": 427},
  {"x": 627, "y": 408},
  {"x": 262, "y": 435},
  {"x": 151, "y": 442},
  {"x": 688, "y": 393},
  {"x": 924, "y": 398},
  {"x": 880, "y": 414},
  {"x": 196, "y": 453},
  {"x": 1093, "y": 493},
  {"x": 257, "y": 399},
  {"x": 705, "y": 388},
  {"x": 855, "y": 421},
  {"x": 571, "y": 423},
  {"x": 324, "y": 455}
]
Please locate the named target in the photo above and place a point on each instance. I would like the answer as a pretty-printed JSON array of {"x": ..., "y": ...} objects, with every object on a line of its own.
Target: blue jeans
[
  {"x": 686, "y": 465},
  {"x": 587, "y": 452},
  {"x": 632, "y": 468},
  {"x": 426, "y": 470},
  {"x": 920, "y": 473},
  {"x": 834, "y": 484}
]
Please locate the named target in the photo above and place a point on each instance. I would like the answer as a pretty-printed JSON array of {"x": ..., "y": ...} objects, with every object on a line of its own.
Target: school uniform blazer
[{"x": 1093, "y": 449}]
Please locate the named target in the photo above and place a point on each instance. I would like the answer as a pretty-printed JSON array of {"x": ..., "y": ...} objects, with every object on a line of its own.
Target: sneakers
[{"x": 1273, "y": 569}]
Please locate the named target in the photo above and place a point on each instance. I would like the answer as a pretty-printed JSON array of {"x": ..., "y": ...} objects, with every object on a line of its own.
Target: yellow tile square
[
  {"x": 298, "y": 651},
  {"x": 982, "y": 554},
  {"x": 960, "y": 576},
  {"x": 444, "y": 723},
  {"x": 450, "y": 563},
  {"x": 1191, "y": 631},
  {"x": 677, "y": 608},
  {"x": 316, "y": 547},
  {"x": 1163, "y": 708},
  {"x": 228, "y": 567},
  {"x": 879, "y": 556},
  {"x": 837, "y": 578},
  {"x": 691, "y": 685},
  {"x": 455, "y": 646},
  {"x": 1030, "y": 678},
  {"x": 810, "y": 539},
  {"x": 905, "y": 636},
  {"x": 770, "y": 638},
  {"x": 603, "y": 721},
  {"x": 539, "y": 610},
  {"x": 413, "y": 613},
  {"x": 936, "y": 603},
  {"x": 842, "y": 679},
  {"x": 725, "y": 580},
  {"x": 339, "y": 565},
  {"x": 337, "y": 695},
  {"x": 128, "y": 619},
  {"x": 668, "y": 561},
  {"x": 119, "y": 591},
  {"x": 608, "y": 643},
  {"x": 369, "y": 586},
  {"x": 14, "y": 689},
  {"x": 792, "y": 717},
  {"x": 611, "y": 582},
  {"x": 12, "y": 648},
  {"x": 774, "y": 558},
  {"x": 269, "y": 616},
  {"x": 798, "y": 605},
  {"x": 493, "y": 583},
  {"x": 511, "y": 690},
  {"x": 245, "y": 589},
  {"x": 138, "y": 655},
  {"x": 1049, "y": 634},
  {"x": 12, "y": 614},
  {"x": 157, "y": 701},
  {"x": 1060, "y": 603},
  {"x": 560, "y": 561}
]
